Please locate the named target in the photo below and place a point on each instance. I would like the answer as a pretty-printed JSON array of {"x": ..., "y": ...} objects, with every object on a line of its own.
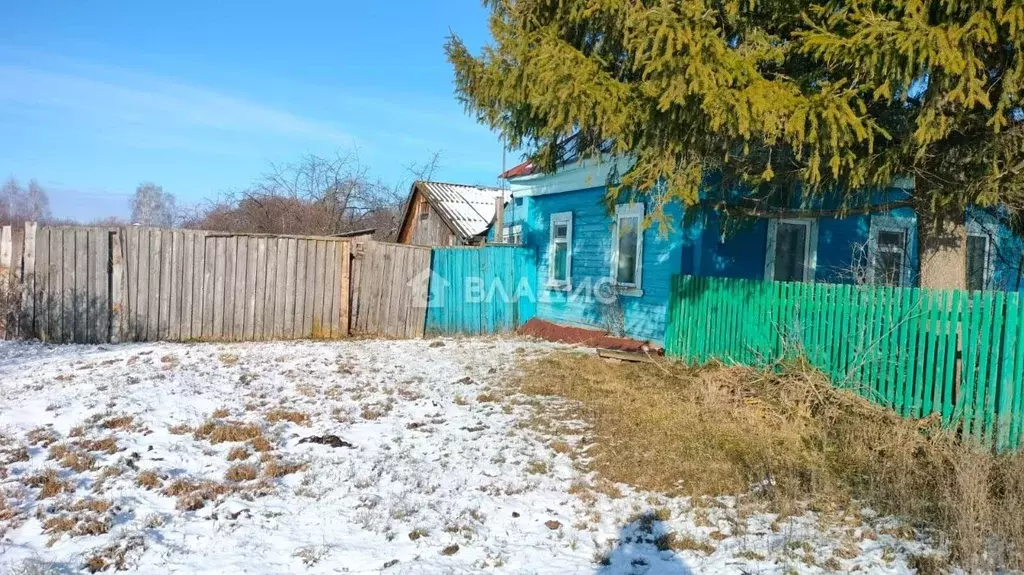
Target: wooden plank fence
[
  {"x": 485, "y": 290},
  {"x": 950, "y": 354},
  {"x": 76, "y": 284},
  {"x": 389, "y": 289},
  {"x": 184, "y": 285}
]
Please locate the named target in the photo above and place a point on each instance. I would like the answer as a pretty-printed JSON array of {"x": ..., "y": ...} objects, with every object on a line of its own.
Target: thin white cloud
[{"x": 119, "y": 101}]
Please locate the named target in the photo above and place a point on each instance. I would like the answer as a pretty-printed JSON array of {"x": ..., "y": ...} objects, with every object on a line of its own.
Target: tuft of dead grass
[
  {"x": 296, "y": 417},
  {"x": 238, "y": 453},
  {"x": 106, "y": 445},
  {"x": 180, "y": 429},
  {"x": 192, "y": 494},
  {"x": 78, "y": 461},
  {"x": 242, "y": 472},
  {"x": 49, "y": 483},
  {"x": 44, "y": 436},
  {"x": 220, "y": 413},
  {"x": 223, "y": 431},
  {"x": 228, "y": 359},
  {"x": 716, "y": 430},
  {"x": 95, "y": 505},
  {"x": 119, "y": 422},
  {"x": 148, "y": 480},
  {"x": 280, "y": 468},
  {"x": 261, "y": 445}
]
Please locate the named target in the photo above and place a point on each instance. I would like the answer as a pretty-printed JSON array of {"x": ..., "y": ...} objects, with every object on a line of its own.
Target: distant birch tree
[{"x": 152, "y": 206}]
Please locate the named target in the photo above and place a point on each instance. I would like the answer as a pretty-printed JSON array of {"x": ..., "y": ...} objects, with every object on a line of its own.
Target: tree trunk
[{"x": 943, "y": 253}]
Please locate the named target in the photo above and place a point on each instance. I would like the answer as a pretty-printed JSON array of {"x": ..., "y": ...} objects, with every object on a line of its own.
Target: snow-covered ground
[{"x": 445, "y": 473}]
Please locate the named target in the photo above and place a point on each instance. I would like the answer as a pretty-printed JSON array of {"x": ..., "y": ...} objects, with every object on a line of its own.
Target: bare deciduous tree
[
  {"x": 19, "y": 204},
  {"x": 152, "y": 206},
  {"x": 314, "y": 195}
]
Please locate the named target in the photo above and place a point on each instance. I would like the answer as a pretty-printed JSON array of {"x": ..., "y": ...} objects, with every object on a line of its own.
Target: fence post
[
  {"x": 6, "y": 293},
  {"x": 344, "y": 285},
  {"x": 116, "y": 287},
  {"x": 28, "y": 280}
]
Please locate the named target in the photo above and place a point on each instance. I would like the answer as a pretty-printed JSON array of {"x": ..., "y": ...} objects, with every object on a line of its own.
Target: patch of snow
[{"x": 440, "y": 479}]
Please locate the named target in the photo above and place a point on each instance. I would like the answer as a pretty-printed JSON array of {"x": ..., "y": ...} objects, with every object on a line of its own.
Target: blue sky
[{"x": 199, "y": 97}]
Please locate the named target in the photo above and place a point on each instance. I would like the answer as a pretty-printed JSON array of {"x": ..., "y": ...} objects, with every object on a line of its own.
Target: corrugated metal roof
[{"x": 469, "y": 209}]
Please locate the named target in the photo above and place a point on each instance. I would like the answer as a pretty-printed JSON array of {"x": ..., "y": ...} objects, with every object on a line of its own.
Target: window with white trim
[
  {"x": 980, "y": 250},
  {"x": 791, "y": 250},
  {"x": 628, "y": 246},
  {"x": 888, "y": 243},
  {"x": 512, "y": 234},
  {"x": 560, "y": 251}
]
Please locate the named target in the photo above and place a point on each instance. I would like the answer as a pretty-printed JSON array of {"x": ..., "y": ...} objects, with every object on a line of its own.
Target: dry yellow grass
[
  {"x": 261, "y": 445},
  {"x": 180, "y": 429},
  {"x": 94, "y": 505},
  {"x": 58, "y": 450},
  {"x": 488, "y": 397},
  {"x": 59, "y": 524},
  {"x": 242, "y": 472},
  {"x": 279, "y": 468},
  {"x": 78, "y": 461},
  {"x": 148, "y": 480},
  {"x": 238, "y": 453},
  {"x": 218, "y": 431},
  {"x": 296, "y": 417},
  {"x": 119, "y": 422},
  {"x": 220, "y": 413},
  {"x": 718, "y": 430},
  {"x": 105, "y": 445},
  {"x": 49, "y": 483},
  {"x": 43, "y": 436},
  {"x": 193, "y": 495}
]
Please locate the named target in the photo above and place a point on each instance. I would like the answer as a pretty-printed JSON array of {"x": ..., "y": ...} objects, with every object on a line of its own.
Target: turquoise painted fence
[
  {"x": 479, "y": 291},
  {"x": 955, "y": 355}
]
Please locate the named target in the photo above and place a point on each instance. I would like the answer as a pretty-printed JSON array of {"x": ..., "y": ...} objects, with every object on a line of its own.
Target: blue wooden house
[{"x": 602, "y": 268}]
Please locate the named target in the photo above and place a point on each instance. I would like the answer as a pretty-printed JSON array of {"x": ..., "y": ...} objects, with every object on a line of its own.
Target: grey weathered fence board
[
  {"x": 95, "y": 284},
  {"x": 387, "y": 299},
  {"x": 209, "y": 288},
  {"x": 28, "y": 278},
  {"x": 330, "y": 288},
  {"x": 188, "y": 258},
  {"x": 117, "y": 286}
]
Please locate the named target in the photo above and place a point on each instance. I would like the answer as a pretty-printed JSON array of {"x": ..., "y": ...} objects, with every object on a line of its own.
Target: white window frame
[
  {"x": 990, "y": 232},
  {"x": 810, "y": 250},
  {"x": 512, "y": 234},
  {"x": 890, "y": 224},
  {"x": 558, "y": 219},
  {"x": 635, "y": 210}
]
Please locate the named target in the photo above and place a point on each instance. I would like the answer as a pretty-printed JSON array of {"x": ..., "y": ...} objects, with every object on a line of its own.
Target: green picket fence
[{"x": 917, "y": 351}]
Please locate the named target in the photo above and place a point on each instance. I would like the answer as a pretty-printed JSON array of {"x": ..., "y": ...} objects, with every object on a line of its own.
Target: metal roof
[{"x": 469, "y": 210}]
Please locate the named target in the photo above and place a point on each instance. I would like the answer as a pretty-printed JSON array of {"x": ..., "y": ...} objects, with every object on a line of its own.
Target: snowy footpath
[{"x": 350, "y": 457}]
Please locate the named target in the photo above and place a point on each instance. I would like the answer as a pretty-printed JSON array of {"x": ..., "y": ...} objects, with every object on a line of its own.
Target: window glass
[
  {"x": 561, "y": 257},
  {"x": 561, "y": 231},
  {"x": 628, "y": 230},
  {"x": 977, "y": 260},
  {"x": 790, "y": 252},
  {"x": 889, "y": 258}
]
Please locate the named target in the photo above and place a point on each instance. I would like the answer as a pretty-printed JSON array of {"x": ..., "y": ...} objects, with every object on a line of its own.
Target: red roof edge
[{"x": 524, "y": 169}]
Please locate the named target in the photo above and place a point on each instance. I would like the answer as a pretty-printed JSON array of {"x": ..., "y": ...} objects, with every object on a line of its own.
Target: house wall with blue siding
[
  {"x": 711, "y": 251},
  {"x": 640, "y": 317},
  {"x": 516, "y": 211}
]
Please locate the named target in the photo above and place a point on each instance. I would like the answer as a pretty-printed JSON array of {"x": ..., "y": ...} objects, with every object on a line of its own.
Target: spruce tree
[{"x": 769, "y": 96}]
